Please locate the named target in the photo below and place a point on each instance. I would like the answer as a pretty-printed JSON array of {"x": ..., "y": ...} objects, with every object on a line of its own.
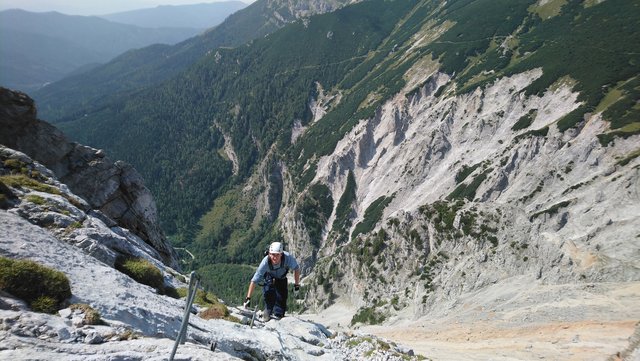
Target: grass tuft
[{"x": 43, "y": 288}]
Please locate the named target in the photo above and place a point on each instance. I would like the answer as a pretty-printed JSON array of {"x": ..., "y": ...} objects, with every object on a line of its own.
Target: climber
[{"x": 273, "y": 272}]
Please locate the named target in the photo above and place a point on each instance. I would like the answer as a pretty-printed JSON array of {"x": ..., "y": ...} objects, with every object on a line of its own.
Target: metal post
[
  {"x": 183, "y": 331},
  {"x": 193, "y": 286}
]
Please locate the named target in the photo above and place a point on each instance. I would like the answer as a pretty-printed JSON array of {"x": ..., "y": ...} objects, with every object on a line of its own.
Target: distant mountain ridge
[
  {"x": 199, "y": 16},
  {"x": 137, "y": 69},
  {"x": 40, "y": 48}
]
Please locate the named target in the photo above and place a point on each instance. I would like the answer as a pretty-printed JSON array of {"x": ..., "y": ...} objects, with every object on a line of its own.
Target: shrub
[
  {"x": 524, "y": 121},
  {"x": 368, "y": 315},
  {"x": 465, "y": 171},
  {"x": 550, "y": 211},
  {"x": 91, "y": 316},
  {"x": 171, "y": 292},
  {"x": 624, "y": 161},
  {"x": 216, "y": 311},
  {"x": 315, "y": 210},
  {"x": 572, "y": 119},
  {"x": 372, "y": 215},
  {"x": 13, "y": 164},
  {"x": 542, "y": 132},
  {"x": 22, "y": 181},
  {"x": 45, "y": 289},
  {"x": 45, "y": 304},
  {"x": 35, "y": 199},
  {"x": 344, "y": 209},
  {"x": 468, "y": 191},
  {"x": 142, "y": 271}
]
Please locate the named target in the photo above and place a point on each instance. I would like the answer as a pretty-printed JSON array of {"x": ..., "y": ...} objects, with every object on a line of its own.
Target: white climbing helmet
[{"x": 275, "y": 247}]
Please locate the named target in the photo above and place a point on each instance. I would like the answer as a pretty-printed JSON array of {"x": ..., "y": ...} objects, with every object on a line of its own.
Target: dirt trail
[
  {"x": 488, "y": 341},
  {"x": 515, "y": 321}
]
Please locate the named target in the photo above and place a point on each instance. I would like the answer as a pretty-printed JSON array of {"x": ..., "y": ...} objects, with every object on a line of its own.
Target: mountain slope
[
  {"x": 48, "y": 46},
  {"x": 360, "y": 29},
  {"x": 66, "y": 294},
  {"x": 423, "y": 160},
  {"x": 199, "y": 16},
  {"x": 153, "y": 65},
  {"x": 409, "y": 153},
  {"x": 22, "y": 54}
]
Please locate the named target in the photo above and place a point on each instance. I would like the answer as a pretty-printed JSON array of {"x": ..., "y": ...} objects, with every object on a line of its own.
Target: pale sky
[{"x": 93, "y": 7}]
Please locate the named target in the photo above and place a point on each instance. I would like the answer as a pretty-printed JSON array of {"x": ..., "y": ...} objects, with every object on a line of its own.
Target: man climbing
[{"x": 273, "y": 271}]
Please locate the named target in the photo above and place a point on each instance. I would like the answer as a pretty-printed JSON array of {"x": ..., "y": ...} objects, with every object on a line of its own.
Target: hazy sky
[{"x": 93, "y": 7}]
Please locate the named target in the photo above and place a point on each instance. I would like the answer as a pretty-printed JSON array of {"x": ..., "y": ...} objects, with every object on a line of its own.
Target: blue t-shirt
[{"x": 278, "y": 271}]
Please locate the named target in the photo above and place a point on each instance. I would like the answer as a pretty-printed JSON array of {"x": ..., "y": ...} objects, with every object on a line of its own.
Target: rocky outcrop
[
  {"x": 477, "y": 201},
  {"x": 283, "y": 10},
  {"x": 113, "y": 188},
  {"x": 43, "y": 221}
]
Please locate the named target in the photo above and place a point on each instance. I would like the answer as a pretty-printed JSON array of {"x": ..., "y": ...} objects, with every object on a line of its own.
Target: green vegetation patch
[
  {"x": 369, "y": 316},
  {"x": 542, "y": 132},
  {"x": 35, "y": 199},
  {"x": 465, "y": 171},
  {"x": 23, "y": 181},
  {"x": 44, "y": 289},
  {"x": 468, "y": 191},
  {"x": 366, "y": 250},
  {"x": 372, "y": 215},
  {"x": 344, "y": 211},
  {"x": 525, "y": 120},
  {"x": 551, "y": 210},
  {"x": 442, "y": 214},
  {"x": 547, "y": 10},
  {"x": 315, "y": 209},
  {"x": 141, "y": 271},
  {"x": 624, "y": 132},
  {"x": 228, "y": 281},
  {"x": 633, "y": 155},
  {"x": 624, "y": 109},
  {"x": 91, "y": 316},
  {"x": 15, "y": 165}
]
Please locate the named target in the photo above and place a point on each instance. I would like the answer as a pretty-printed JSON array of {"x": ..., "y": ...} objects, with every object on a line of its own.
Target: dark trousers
[{"x": 275, "y": 294}]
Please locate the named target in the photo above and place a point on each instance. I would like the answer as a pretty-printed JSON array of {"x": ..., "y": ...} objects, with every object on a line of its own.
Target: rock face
[
  {"x": 285, "y": 9},
  {"x": 139, "y": 324},
  {"x": 113, "y": 188},
  {"x": 475, "y": 201},
  {"x": 43, "y": 221}
]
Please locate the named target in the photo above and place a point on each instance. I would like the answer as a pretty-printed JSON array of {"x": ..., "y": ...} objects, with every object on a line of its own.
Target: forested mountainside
[
  {"x": 474, "y": 140},
  {"x": 40, "y": 48},
  {"x": 115, "y": 81}
]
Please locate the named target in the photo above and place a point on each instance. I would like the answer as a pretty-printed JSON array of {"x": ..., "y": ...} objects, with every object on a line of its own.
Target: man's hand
[{"x": 247, "y": 302}]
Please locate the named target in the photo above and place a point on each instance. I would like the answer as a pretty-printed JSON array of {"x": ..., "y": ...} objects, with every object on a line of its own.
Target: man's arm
[
  {"x": 296, "y": 276},
  {"x": 252, "y": 285}
]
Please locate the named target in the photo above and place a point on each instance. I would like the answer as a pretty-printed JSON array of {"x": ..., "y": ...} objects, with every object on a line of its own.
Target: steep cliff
[
  {"x": 473, "y": 200},
  {"x": 113, "y": 188}
]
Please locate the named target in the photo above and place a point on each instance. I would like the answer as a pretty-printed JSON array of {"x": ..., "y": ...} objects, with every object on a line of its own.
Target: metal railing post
[{"x": 193, "y": 287}]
